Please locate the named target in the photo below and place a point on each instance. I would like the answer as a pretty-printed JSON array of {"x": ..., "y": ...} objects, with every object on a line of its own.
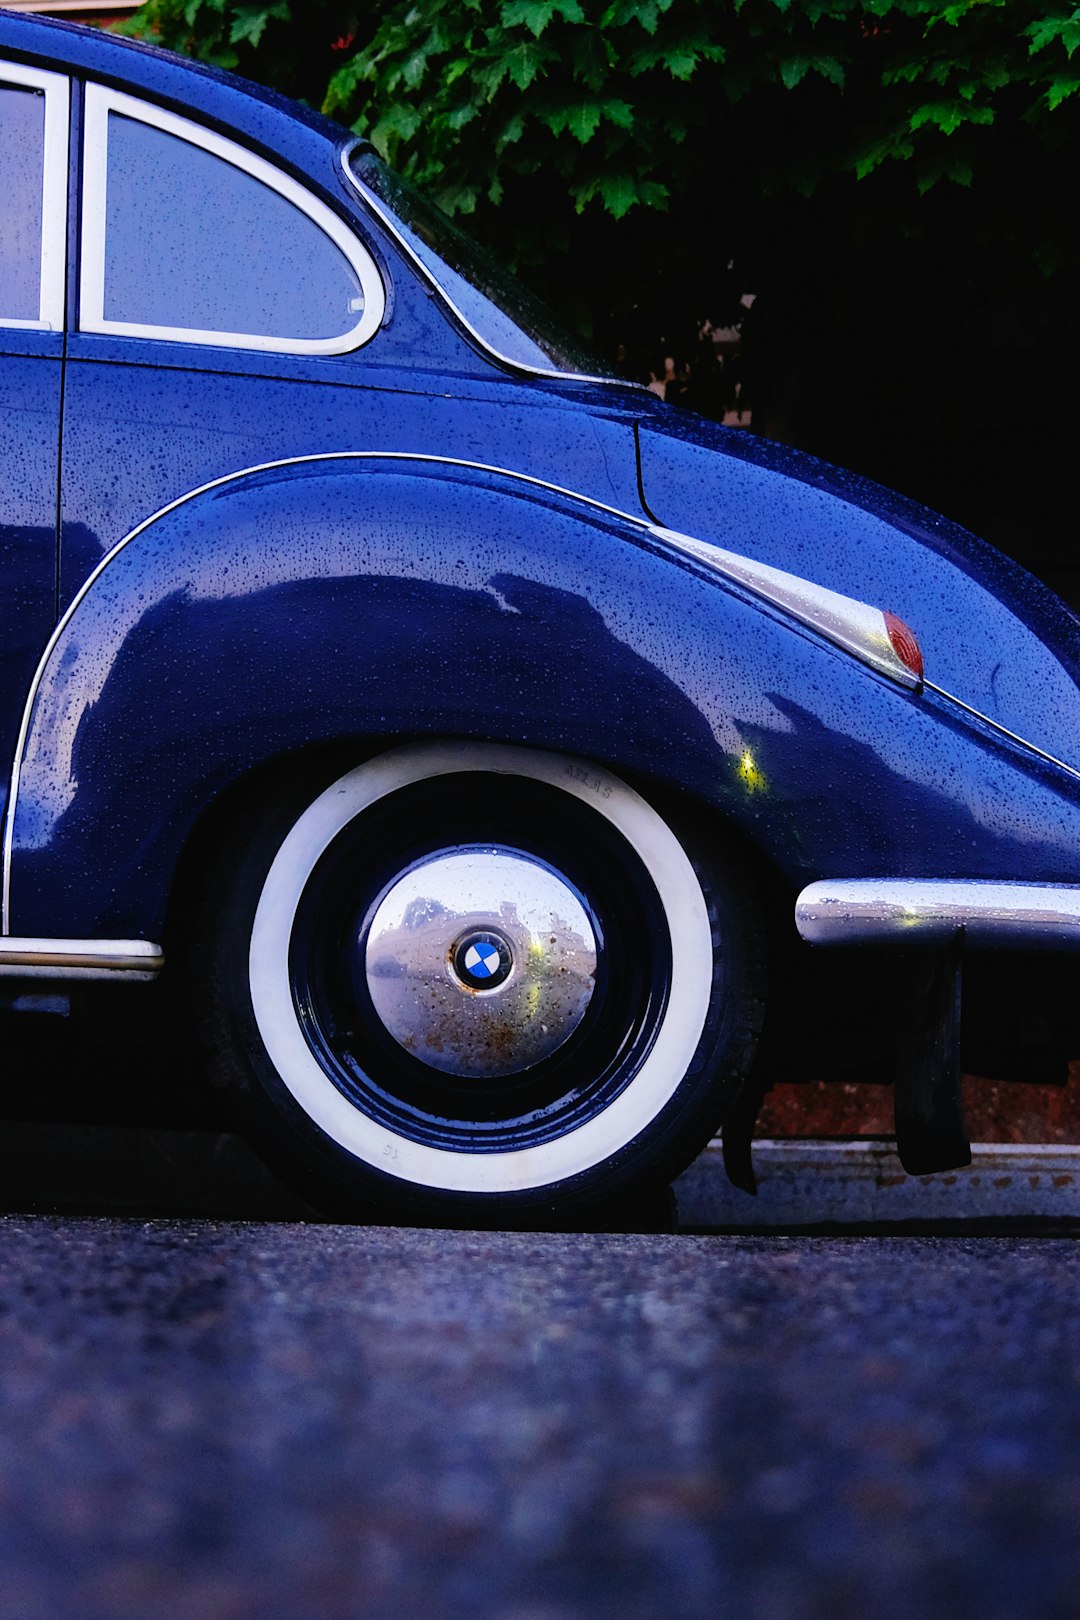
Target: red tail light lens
[{"x": 905, "y": 644}]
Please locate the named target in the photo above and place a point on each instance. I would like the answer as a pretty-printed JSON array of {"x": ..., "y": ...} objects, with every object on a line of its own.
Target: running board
[
  {"x": 929, "y": 911},
  {"x": 79, "y": 958}
]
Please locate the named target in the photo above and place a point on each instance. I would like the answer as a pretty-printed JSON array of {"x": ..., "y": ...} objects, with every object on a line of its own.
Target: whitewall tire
[{"x": 470, "y": 981}]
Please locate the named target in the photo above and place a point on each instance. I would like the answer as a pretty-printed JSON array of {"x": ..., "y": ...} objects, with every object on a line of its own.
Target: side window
[
  {"x": 187, "y": 236},
  {"x": 33, "y": 171},
  {"x": 22, "y": 179}
]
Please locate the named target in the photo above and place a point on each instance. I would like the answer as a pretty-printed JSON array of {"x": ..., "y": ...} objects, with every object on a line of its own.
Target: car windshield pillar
[{"x": 513, "y": 325}]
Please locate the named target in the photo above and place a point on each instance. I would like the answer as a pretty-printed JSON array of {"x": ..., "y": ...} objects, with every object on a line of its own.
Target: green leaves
[
  {"x": 249, "y": 22},
  {"x": 583, "y": 118},
  {"x": 536, "y": 14},
  {"x": 398, "y": 123},
  {"x": 621, "y": 192},
  {"x": 628, "y": 107},
  {"x": 949, "y": 115},
  {"x": 1060, "y": 88},
  {"x": 294, "y": 45},
  {"x": 1055, "y": 30},
  {"x": 524, "y": 63},
  {"x": 793, "y": 69}
]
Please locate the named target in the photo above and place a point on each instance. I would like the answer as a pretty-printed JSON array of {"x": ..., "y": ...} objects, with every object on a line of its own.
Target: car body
[{"x": 390, "y": 672}]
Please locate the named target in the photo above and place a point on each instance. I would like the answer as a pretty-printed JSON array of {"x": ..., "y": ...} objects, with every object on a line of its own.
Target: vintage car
[{"x": 464, "y": 736}]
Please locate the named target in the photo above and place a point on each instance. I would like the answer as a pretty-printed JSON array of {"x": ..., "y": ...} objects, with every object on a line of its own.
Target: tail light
[{"x": 904, "y": 644}]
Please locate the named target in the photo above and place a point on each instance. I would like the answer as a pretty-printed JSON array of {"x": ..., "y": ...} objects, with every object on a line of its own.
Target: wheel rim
[{"x": 489, "y": 1115}]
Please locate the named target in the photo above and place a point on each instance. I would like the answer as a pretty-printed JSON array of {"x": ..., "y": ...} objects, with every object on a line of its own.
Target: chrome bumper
[{"x": 857, "y": 911}]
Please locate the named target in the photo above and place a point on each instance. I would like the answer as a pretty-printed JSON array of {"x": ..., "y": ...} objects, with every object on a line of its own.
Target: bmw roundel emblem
[{"x": 482, "y": 960}]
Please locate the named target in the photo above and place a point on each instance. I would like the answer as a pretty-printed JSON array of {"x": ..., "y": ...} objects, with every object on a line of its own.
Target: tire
[{"x": 473, "y": 984}]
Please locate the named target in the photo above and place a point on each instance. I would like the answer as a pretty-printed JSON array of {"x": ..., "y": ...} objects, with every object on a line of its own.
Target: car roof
[{"x": 142, "y": 69}]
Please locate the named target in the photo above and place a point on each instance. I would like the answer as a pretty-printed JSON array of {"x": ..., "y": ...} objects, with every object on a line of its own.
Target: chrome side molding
[
  {"x": 858, "y": 911},
  {"x": 79, "y": 958},
  {"x": 856, "y": 626}
]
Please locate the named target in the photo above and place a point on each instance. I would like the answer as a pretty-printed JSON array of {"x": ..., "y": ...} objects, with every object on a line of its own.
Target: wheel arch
[
  {"x": 291, "y": 776},
  {"x": 370, "y": 598},
  {"x": 307, "y": 602}
]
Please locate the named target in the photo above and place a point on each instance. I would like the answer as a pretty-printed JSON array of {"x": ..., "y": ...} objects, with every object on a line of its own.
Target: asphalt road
[{"x": 224, "y": 1421}]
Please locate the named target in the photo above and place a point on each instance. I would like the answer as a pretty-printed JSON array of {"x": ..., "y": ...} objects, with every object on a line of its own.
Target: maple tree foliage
[{"x": 624, "y": 102}]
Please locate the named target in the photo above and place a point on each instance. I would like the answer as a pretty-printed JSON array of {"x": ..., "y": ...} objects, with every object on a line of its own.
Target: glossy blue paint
[
  {"x": 990, "y": 634},
  {"x": 412, "y": 599},
  {"x": 30, "y": 382},
  {"x": 192, "y": 425},
  {"x": 361, "y": 601}
]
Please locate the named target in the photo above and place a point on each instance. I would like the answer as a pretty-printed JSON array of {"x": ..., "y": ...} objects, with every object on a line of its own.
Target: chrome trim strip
[
  {"x": 387, "y": 221},
  {"x": 67, "y": 958},
  {"x": 995, "y": 725},
  {"x": 99, "y": 102},
  {"x": 917, "y": 911},
  {"x": 53, "y": 266},
  {"x": 853, "y": 625}
]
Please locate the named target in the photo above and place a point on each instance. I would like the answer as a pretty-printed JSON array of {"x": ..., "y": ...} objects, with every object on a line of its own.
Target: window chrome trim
[
  {"x": 100, "y": 102},
  {"x": 389, "y": 224},
  {"x": 54, "y": 185},
  {"x": 80, "y": 958},
  {"x": 917, "y": 911}
]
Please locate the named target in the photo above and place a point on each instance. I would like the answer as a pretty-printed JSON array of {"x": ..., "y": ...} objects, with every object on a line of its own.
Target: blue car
[{"x": 504, "y": 773}]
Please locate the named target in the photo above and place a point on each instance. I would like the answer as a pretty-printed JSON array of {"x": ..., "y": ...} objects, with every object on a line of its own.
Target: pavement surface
[{"x": 227, "y": 1420}]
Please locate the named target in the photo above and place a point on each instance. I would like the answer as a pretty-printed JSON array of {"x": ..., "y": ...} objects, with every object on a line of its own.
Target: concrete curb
[
  {"x": 832, "y": 1185},
  {"x": 861, "y": 1183}
]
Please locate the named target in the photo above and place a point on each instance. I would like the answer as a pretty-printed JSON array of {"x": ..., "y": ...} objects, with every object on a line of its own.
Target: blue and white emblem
[{"x": 482, "y": 960}]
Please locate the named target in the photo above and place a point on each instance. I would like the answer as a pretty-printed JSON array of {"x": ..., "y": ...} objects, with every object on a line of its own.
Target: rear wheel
[{"x": 479, "y": 984}]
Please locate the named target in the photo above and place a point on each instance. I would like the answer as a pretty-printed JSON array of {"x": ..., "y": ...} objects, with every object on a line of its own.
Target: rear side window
[
  {"x": 33, "y": 170},
  {"x": 187, "y": 236},
  {"x": 22, "y": 176}
]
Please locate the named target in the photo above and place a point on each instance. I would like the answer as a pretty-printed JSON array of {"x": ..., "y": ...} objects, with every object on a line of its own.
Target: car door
[{"x": 33, "y": 194}]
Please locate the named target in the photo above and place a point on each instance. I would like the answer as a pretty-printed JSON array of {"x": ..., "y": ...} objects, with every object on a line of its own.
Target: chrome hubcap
[{"x": 480, "y": 962}]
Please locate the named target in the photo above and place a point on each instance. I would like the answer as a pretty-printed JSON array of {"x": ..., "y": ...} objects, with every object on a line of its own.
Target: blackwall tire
[{"x": 481, "y": 985}]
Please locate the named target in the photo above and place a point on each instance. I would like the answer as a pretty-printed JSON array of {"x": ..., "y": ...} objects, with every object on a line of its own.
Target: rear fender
[{"x": 374, "y": 598}]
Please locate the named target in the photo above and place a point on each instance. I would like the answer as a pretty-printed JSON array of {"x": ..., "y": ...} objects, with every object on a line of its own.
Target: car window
[
  {"x": 33, "y": 161},
  {"x": 189, "y": 237},
  {"x": 22, "y": 169}
]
